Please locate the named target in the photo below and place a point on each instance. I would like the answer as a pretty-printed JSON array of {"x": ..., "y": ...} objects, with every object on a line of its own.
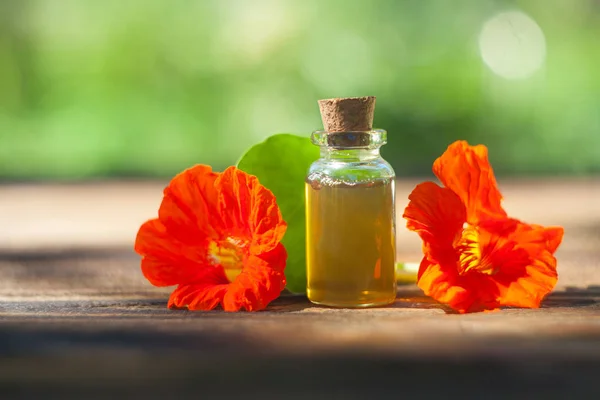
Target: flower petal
[
  {"x": 260, "y": 282},
  {"x": 204, "y": 295},
  {"x": 437, "y": 215},
  {"x": 174, "y": 246},
  {"x": 249, "y": 210},
  {"x": 475, "y": 292},
  {"x": 165, "y": 260},
  {"x": 539, "y": 275},
  {"x": 189, "y": 207},
  {"x": 520, "y": 256},
  {"x": 466, "y": 171},
  {"x": 536, "y": 237}
]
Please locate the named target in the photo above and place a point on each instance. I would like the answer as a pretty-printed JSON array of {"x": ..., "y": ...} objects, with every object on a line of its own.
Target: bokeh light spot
[{"x": 512, "y": 45}]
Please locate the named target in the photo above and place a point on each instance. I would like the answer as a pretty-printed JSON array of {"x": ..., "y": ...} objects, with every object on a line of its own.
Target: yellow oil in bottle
[{"x": 350, "y": 243}]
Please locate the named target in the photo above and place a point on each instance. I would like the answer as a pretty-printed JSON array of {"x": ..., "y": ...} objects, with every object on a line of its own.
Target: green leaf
[{"x": 281, "y": 163}]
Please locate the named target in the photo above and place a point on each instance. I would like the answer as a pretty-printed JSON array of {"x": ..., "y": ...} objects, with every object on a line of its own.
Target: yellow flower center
[
  {"x": 471, "y": 254},
  {"x": 227, "y": 254}
]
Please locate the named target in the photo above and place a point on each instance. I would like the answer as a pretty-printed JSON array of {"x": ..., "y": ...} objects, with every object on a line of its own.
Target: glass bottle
[{"x": 350, "y": 221}]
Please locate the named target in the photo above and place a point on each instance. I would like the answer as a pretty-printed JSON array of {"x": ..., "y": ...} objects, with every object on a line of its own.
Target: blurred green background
[{"x": 146, "y": 88}]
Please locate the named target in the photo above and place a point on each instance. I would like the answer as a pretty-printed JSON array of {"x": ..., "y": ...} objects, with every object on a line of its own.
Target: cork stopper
[{"x": 348, "y": 114}]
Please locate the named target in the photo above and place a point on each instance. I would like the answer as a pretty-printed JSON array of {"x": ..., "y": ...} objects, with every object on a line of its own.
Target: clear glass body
[{"x": 350, "y": 222}]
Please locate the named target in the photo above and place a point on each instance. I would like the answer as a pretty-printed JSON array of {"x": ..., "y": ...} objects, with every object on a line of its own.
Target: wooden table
[{"x": 78, "y": 320}]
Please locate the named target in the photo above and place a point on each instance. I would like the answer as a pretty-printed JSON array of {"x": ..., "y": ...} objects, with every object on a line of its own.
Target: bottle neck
[{"x": 349, "y": 155}]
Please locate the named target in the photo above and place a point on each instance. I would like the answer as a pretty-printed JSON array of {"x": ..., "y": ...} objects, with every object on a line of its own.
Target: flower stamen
[
  {"x": 227, "y": 253},
  {"x": 471, "y": 258}
]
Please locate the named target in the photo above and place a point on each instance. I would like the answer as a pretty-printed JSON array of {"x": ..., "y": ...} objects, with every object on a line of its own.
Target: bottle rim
[{"x": 372, "y": 139}]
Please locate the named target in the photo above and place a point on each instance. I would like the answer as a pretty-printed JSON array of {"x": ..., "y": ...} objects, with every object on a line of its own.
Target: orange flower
[
  {"x": 475, "y": 256},
  {"x": 217, "y": 237}
]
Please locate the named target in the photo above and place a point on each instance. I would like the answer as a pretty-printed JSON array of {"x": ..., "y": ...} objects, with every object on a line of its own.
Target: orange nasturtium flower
[
  {"x": 476, "y": 257},
  {"x": 217, "y": 237}
]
